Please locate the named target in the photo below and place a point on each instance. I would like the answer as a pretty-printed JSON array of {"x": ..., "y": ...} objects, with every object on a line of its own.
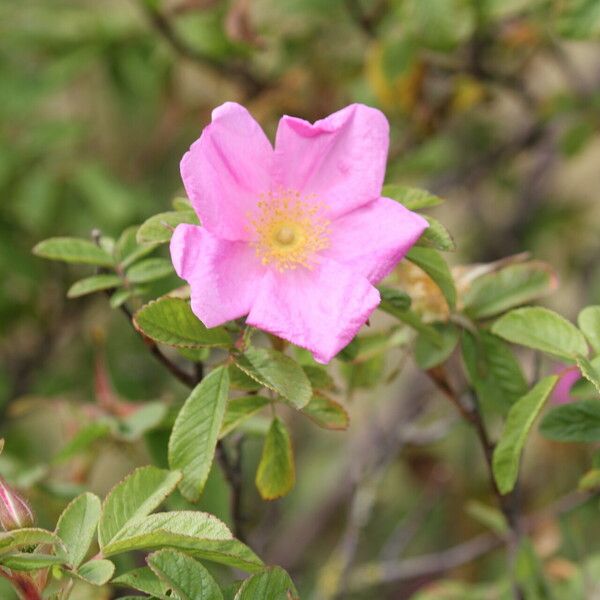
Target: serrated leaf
[
  {"x": 436, "y": 236},
  {"x": 196, "y": 533},
  {"x": 184, "y": 575},
  {"x": 327, "y": 413},
  {"x": 149, "y": 269},
  {"x": 589, "y": 322},
  {"x": 429, "y": 354},
  {"x": 77, "y": 525},
  {"x": 273, "y": 582},
  {"x": 93, "y": 284},
  {"x": 574, "y": 422},
  {"x": 514, "y": 285},
  {"x": 542, "y": 329},
  {"x": 133, "y": 499},
  {"x": 31, "y": 536},
  {"x": 276, "y": 474},
  {"x": 411, "y": 198},
  {"x": 319, "y": 378},
  {"x": 29, "y": 561},
  {"x": 278, "y": 372},
  {"x": 430, "y": 261},
  {"x": 519, "y": 421},
  {"x": 159, "y": 228},
  {"x": 590, "y": 370},
  {"x": 96, "y": 572},
  {"x": 143, "y": 580},
  {"x": 492, "y": 370},
  {"x": 240, "y": 409},
  {"x": 73, "y": 250},
  {"x": 196, "y": 431},
  {"x": 171, "y": 321},
  {"x": 83, "y": 439}
]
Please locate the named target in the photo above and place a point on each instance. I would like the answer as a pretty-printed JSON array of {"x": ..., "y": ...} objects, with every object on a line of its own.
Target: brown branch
[
  {"x": 237, "y": 71},
  {"x": 435, "y": 563}
]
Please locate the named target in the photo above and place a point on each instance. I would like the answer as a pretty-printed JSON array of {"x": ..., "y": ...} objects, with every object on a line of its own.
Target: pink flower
[
  {"x": 15, "y": 513},
  {"x": 293, "y": 237}
]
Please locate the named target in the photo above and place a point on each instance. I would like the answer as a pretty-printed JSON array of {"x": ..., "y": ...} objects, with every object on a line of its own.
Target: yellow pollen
[{"x": 289, "y": 229}]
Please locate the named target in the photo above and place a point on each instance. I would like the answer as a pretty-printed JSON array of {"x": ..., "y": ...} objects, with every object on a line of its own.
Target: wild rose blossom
[{"x": 295, "y": 236}]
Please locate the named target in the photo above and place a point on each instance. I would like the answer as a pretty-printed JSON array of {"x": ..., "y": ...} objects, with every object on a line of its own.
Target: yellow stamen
[{"x": 289, "y": 229}]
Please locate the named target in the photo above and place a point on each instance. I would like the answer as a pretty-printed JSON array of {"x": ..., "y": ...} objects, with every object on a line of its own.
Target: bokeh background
[{"x": 493, "y": 104}]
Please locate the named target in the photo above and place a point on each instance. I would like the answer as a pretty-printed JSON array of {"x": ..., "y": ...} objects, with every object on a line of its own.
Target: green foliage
[
  {"x": 196, "y": 431},
  {"x": 519, "y": 421},
  {"x": 574, "y": 422},
  {"x": 542, "y": 329},
  {"x": 434, "y": 265},
  {"x": 277, "y": 372},
  {"x": 159, "y": 228},
  {"x": 589, "y": 322},
  {"x": 171, "y": 321},
  {"x": 77, "y": 528},
  {"x": 97, "y": 283},
  {"x": 276, "y": 473},
  {"x": 497, "y": 292},
  {"x": 411, "y": 198},
  {"x": 273, "y": 582},
  {"x": 240, "y": 409},
  {"x": 327, "y": 413},
  {"x": 73, "y": 250},
  {"x": 133, "y": 499},
  {"x": 185, "y": 576}
]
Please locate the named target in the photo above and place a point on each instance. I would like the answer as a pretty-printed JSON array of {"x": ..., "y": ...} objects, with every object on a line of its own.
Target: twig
[
  {"x": 163, "y": 25},
  {"x": 435, "y": 563},
  {"x": 233, "y": 474}
]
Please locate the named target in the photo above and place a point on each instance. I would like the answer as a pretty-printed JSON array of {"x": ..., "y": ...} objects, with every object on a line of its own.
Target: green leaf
[
  {"x": 574, "y": 422},
  {"x": 495, "y": 293},
  {"x": 149, "y": 269},
  {"x": 73, "y": 250},
  {"x": 181, "y": 203},
  {"x": 77, "y": 525},
  {"x": 196, "y": 431},
  {"x": 589, "y": 481},
  {"x": 436, "y": 236},
  {"x": 171, "y": 321},
  {"x": 120, "y": 297},
  {"x": 83, "y": 439},
  {"x": 435, "y": 266},
  {"x": 184, "y": 575},
  {"x": 278, "y": 372},
  {"x": 541, "y": 329},
  {"x": 127, "y": 250},
  {"x": 327, "y": 413},
  {"x": 133, "y": 498},
  {"x": 193, "y": 532},
  {"x": 492, "y": 370},
  {"x": 590, "y": 370},
  {"x": 276, "y": 475},
  {"x": 93, "y": 284},
  {"x": 143, "y": 580},
  {"x": 273, "y": 582},
  {"x": 413, "y": 320},
  {"x": 96, "y": 572},
  {"x": 411, "y": 198},
  {"x": 240, "y": 409},
  {"x": 393, "y": 299},
  {"x": 490, "y": 517},
  {"x": 319, "y": 378},
  {"x": 31, "y": 536},
  {"x": 429, "y": 354},
  {"x": 589, "y": 322},
  {"x": 29, "y": 561},
  {"x": 159, "y": 228},
  {"x": 143, "y": 419},
  {"x": 520, "y": 419}
]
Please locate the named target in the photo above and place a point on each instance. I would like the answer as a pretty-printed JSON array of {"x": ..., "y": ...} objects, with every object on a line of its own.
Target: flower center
[{"x": 290, "y": 230}]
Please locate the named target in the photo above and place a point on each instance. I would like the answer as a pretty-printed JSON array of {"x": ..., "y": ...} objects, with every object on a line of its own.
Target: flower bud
[{"x": 15, "y": 513}]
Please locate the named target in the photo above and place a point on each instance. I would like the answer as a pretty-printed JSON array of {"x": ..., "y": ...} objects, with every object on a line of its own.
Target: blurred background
[{"x": 493, "y": 105}]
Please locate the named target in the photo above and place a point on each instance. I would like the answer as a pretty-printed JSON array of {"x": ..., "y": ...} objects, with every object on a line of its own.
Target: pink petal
[
  {"x": 340, "y": 159},
  {"x": 568, "y": 377},
  {"x": 224, "y": 275},
  {"x": 320, "y": 309},
  {"x": 372, "y": 239},
  {"x": 226, "y": 169}
]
